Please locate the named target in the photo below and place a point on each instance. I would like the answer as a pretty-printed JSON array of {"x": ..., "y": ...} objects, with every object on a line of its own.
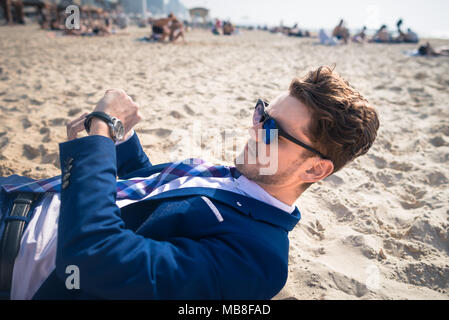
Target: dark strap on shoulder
[{"x": 10, "y": 243}]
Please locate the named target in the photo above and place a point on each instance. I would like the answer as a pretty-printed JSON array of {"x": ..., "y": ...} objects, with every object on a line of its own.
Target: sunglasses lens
[
  {"x": 258, "y": 114},
  {"x": 269, "y": 130}
]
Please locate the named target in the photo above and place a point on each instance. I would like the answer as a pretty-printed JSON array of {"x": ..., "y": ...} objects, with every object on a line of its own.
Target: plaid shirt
[{"x": 139, "y": 188}]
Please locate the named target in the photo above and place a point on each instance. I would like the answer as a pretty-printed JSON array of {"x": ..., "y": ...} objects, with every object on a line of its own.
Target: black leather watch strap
[{"x": 100, "y": 115}]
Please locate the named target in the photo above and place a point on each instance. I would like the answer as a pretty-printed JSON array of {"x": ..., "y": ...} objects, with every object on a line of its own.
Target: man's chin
[
  {"x": 251, "y": 170},
  {"x": 241, "y": 163}
]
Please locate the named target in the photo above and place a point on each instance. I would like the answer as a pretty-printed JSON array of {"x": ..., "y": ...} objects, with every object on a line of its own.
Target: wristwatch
[{"x": 115, "y": 125}]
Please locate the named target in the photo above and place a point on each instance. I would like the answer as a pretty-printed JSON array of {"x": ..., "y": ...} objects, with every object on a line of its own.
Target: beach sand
[{"x": 378, "y": 229}]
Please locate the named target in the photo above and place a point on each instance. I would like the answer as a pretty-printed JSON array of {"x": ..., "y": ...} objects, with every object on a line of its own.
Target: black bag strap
[{"x": 10, "y": 243}]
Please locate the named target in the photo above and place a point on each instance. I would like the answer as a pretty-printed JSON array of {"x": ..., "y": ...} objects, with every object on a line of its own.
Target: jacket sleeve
[
  {"x": 130, "y": 156},
  {"x": 114, "y": 262}
]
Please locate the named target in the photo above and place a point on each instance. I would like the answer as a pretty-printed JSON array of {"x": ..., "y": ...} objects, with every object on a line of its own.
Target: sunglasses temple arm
[{"x": 302, "y": 144}]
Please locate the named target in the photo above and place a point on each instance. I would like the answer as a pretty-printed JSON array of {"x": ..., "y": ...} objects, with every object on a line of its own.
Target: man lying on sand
[
  {"x": 184, "y": 230},
  {"x": 428, "y": 50}
]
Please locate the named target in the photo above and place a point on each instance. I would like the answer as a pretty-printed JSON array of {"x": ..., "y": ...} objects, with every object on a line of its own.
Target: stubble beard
[{"x": 252, "y": 172}]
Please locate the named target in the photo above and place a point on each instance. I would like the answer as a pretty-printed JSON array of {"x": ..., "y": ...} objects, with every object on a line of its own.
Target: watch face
[{"x": 119, "y": 130}]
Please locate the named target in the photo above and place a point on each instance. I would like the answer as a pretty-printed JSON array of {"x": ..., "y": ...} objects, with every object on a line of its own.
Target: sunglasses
[{"x": 270, "y": 124}]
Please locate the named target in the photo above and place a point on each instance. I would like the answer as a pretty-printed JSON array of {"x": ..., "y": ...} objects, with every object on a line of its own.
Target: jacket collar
[{"x": 257, "y": 209}]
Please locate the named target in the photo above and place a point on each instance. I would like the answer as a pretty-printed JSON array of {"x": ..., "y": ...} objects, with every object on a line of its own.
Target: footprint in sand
[
  {"x": 380, "y": 162},
  {"x": 427, "y": 231},
  {"x": 74, "y": 111},
  {"x": 410, "y": 201},
  {"x": 26, "y": 123},
  {"x": 444, "y": 129},
  {"x": 58, "y": 122},
  {"x": 243, "y": 114},
  {"x": 361, "y": 242},
  {"x": 315, "y": 230},
  {"x": 47, "y": 138},
  {"x": 342, "y": 212},
  {"x": 438, "y": 141},
  {"x": 51, "y": 158},
  {"x": 189, "y": 110},
  {"x": 349, "y": 286},
  {"x": 10, "y": 99},
  {"x": 401, "y": 166},
  {"x": 176, "y": 115},
  {"x": 334, "y": 179},
  {"x": 5, "y": 172},
  {"x": 30, "y": 152},
  {"x": 419, "y": 93},
  {"x": 386, "y": 179},
  {"x": 44, "y": 130},
  {"x": 425, "y": 274},
  {"x": 436, "y": 178},
  {"x": 71, "y": 93},
  {"x": 160, "y": 132},
  {"x": 36, "y": 102},
  {"x": 420, "y": 76},
  {"x": 3, "y": 142}
]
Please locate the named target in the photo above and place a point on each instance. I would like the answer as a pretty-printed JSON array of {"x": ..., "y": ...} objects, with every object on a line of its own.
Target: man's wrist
[{"x": 100, "y": 128}]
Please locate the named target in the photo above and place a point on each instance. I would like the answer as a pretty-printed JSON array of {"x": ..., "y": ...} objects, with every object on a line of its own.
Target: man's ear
[{"x": 318, "y": 171}]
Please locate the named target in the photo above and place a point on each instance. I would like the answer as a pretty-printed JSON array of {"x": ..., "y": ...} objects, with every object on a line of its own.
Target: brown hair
[{"x": 344, "y": 125}]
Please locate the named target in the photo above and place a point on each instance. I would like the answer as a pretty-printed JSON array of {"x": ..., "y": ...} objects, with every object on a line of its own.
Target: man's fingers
[
  {"x": 78, "y": 119},
  {"x": 79, "y": 126},
  {"x": 76, "y": 123},
  {"x": 76, "y": 126}
]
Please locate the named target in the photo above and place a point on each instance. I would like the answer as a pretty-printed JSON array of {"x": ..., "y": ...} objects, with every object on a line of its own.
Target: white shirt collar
[{"x": 253, "y": 190}]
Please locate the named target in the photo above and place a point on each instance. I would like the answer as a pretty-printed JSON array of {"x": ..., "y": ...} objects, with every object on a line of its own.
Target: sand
[{"x": 376, "y": 230}]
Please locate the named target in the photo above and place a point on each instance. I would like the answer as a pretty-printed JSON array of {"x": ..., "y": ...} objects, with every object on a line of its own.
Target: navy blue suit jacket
[{"x": 169, "y": 247}]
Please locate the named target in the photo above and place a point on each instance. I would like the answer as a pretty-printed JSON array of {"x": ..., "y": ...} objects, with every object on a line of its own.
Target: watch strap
[{"x": 102, "y": 116}]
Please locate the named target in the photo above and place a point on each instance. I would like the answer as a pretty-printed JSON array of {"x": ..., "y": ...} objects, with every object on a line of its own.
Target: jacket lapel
[{"x": 257, "y": 209}]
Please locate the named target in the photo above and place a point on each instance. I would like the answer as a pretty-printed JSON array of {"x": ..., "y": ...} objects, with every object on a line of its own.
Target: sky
[{"x": 427, "y": 17}]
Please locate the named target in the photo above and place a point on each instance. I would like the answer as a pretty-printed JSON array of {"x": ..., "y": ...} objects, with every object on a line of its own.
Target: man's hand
[
  {"x": 75, "y": 127},
  {"x": 98, "y": 127},
  {"x": 116, "y": 103}
]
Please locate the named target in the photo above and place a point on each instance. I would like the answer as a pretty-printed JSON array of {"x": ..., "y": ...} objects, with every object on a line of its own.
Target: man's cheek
[{"x": 268, "y": 158}]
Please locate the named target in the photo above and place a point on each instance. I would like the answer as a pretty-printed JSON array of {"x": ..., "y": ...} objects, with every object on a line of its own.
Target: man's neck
[{"x": 285, "y": 195}]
